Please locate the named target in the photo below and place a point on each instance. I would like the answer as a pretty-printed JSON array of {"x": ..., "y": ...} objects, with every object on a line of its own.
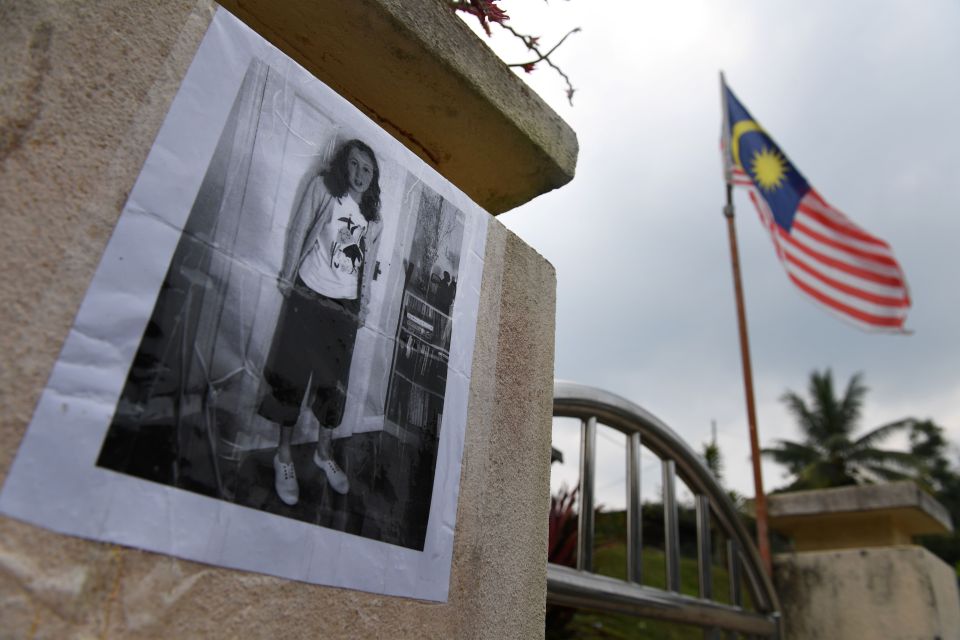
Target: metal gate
[{"x": 582, "y": 588}]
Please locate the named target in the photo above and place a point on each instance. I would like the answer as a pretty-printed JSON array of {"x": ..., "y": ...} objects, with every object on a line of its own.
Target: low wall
[{"x": 895, "y": 593}]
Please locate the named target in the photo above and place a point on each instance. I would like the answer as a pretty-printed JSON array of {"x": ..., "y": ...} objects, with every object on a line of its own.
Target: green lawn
[{"x": 610, "y": 559}]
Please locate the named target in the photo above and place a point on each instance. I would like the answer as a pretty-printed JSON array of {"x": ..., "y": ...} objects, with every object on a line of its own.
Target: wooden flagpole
[{"x": 760, "y": 499}]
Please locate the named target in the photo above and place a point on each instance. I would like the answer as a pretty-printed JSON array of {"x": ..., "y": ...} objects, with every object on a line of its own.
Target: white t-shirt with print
[{"x": 332, "y": 266}]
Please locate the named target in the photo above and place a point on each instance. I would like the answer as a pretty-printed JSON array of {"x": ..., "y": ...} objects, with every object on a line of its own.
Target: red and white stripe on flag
[{"x": 836, "y": 263}]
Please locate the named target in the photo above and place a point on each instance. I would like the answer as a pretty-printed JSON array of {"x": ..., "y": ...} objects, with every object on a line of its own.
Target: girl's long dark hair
[{"x": 336, "y": 178}]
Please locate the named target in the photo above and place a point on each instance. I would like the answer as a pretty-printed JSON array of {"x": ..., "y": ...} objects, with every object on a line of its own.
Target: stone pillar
[
  {"x": 854, "y": 573},
  {"x": 86, "y": 86}
]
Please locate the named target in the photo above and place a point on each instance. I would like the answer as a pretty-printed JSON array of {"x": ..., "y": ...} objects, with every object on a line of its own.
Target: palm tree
[{"x": 830, "y": 455}]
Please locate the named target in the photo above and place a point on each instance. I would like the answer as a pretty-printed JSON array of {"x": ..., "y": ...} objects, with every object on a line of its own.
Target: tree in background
[
  {"x": 830, "y": 455},
  {"x": 937, "y": 474},
  {"x": 940, "y": 478},
  {"x": 711, "y": 454},
  {"x": 713, "y": 458}
]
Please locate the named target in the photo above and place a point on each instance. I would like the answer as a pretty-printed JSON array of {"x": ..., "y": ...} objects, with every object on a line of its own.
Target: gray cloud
[{"x": 864, "y": 98}]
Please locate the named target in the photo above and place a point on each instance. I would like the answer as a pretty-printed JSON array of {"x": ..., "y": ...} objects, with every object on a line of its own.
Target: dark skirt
[{"x": 312, "y": 347}]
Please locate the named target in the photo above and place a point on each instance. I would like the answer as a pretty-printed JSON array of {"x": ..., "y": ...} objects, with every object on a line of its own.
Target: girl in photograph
[{"x": 331, "y": 237}]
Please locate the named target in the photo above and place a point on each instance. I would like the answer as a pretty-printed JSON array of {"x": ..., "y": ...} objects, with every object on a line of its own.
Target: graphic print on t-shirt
[{"x": 346, "y": 254}]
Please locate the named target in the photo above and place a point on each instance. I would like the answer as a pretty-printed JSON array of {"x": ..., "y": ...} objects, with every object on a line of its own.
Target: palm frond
[
  {"x": 886, "y": 474},
  {"x": 823, "y": 397},
  {"x": 882, "y": 433},
  {"x": 837, "y": 445},
  {"x": 851, "y": 405},
  {"x": 823, "y": 474},
  {"x": 903, "y": 460},
  {"x": 926, "y": 439},
  {"x": 793, "y": 455},
  {"x": 829, "y": 454},
  {"x": 806, "y": 419}
]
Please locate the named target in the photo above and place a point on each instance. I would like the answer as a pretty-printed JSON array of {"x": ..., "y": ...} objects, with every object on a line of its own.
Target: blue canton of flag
[
  {"x": 826, "y": 255},
  {"x": 753, "y": 150}
]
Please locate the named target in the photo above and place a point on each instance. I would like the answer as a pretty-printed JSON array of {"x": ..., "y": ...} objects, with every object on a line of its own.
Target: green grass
[{"x": 610, "y": 559}]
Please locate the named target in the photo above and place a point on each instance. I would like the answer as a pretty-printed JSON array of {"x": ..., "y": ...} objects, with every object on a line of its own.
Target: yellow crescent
[{"x": 739, "y": 129}]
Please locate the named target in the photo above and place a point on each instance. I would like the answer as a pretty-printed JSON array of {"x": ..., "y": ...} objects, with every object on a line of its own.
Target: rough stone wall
[
  {"x": 895, "y": 593},
  {"x": 85, "y": 86}
]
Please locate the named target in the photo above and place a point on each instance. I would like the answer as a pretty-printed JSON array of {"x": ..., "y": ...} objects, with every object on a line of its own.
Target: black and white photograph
[
  {"x": 303, "y": 363},
  {"x": 303, "y": 244}
]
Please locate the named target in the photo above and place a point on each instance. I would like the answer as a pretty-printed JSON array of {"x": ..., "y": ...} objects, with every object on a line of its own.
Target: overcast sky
[{"x": 863, "y": 96}]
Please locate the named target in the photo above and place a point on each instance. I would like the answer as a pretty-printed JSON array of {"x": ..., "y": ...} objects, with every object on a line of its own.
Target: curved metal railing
[{"x": 582, "y": 588}]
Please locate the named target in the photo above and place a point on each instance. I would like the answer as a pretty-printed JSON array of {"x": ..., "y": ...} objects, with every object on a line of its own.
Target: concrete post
[
  {"x": 86, "y": 86},
  {"x": 854, "y": 573}
]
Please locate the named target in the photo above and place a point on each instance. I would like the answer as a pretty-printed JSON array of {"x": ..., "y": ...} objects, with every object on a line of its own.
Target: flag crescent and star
[{"x": 836, "y": 263}]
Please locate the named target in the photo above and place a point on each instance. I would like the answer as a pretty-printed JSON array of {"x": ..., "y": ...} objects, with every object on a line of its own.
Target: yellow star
[{"x": 769, "y": 169}]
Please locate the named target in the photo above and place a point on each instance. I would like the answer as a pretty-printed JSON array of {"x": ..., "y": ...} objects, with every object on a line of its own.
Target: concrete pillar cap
[{"x": 858, "y": 516}]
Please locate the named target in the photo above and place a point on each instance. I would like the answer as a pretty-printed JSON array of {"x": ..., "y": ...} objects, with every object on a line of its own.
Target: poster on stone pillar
[{"x": 270, "y": 369}]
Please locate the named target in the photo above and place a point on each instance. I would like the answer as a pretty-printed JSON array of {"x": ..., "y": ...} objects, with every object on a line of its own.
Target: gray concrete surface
[
  {"x": 879, "y": 515},
  {"x": 85, "y": 86},
  {"x": 863, "y": 498},
  {"x": 894, "y": 593}
]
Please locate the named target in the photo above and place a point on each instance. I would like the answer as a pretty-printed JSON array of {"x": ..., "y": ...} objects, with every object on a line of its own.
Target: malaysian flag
[{"x": 826, "y": 255}]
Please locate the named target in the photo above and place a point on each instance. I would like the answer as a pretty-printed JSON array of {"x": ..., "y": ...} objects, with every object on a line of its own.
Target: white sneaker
[
  {"x": 335, "y": 475},
  {"x": 285, "y": 481}
]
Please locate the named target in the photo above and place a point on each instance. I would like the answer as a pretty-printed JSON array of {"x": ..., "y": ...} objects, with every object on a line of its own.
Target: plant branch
[
  {"x": 531, "y": 43},
  {"x": 487, "y": 11}
]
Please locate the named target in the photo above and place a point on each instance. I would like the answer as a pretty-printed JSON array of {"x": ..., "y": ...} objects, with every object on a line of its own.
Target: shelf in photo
[
  {"x": 419, "y": 385},
  {"x": 426, "y": 341},
  {"x": 424, "y": 302}
]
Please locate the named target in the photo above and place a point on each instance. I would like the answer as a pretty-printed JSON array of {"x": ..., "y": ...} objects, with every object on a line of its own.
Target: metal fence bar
[
  {"x": 671, "y": 526},
  {"x": 704, "y": 559},
  {"x": 634, "y": 515},
  {"x": 571, "y": 588},
  {"x": 733, "y": 571},
  {"x": 588, "y": 456},
  {"x": 704, "y": 562}
]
